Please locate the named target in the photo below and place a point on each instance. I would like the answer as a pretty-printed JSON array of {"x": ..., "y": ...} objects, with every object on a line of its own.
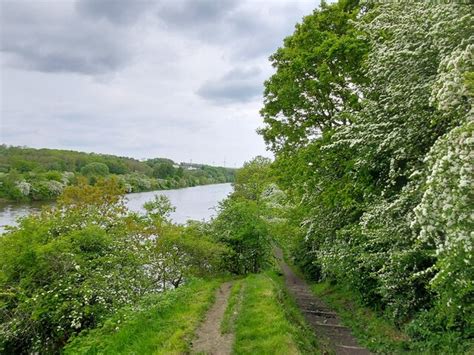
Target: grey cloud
[
  {"x": 190, "y": 13},
  {"x": 93, "y": 59},
  {"x": 242, "y": 73},
  {"x": 119, "y": 12},
  {"x": 238, "y": 85},
  {"x": 60, "y": 41},
  {"x": 208, "y": 21},
  {"x": 246, "y": 31},
  {"x": 92, "y": 37},
  {"x": 261, "y": 35}
]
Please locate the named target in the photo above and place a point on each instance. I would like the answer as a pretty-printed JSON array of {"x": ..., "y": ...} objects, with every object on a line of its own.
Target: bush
[
  {"x": 240, "y": 227},
  {"x": 46, "y": 190},
  {"x": 70, "y": 268},
  {"x": 67, "y": 269},
  {"x": 54, "y": 175},
  {"x": 180, "y": 253}
]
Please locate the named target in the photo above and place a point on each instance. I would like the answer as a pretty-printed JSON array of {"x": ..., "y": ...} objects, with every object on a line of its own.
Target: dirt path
[
  {"x": 325, "y": 321},
  {"x": 209, "y": 339}
]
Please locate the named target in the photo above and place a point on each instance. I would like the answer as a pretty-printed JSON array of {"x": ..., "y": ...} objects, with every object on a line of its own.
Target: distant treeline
[{"x": 41, "y": 174}]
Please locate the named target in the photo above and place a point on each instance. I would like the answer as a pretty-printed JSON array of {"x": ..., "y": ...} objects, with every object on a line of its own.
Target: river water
[{"x": 197, "y": 203}]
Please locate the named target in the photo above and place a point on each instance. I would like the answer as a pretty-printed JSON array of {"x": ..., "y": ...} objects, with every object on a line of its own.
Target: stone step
[
  {"x": 307, "y": 296},
  {"x": 351, "y": 350},
  {"x": 350, "y": 347},
  {"x": 338, "y": 326},
  {"x": 322, "y": 313}
]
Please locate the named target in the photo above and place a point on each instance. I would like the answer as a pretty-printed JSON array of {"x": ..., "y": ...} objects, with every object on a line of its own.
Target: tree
[
  {"x": 95, "y": 169},
  {"x": 163, "y": 170},
  {"x": 317, "y": 79},
  {"x": 240, "y": 227},
  {"x": 252, "y": 178}
]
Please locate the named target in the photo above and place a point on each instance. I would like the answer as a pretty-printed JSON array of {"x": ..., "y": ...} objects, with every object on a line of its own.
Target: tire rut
[
  {"x": 209, "y": 339},
  {"x": 322, "y": 319}
]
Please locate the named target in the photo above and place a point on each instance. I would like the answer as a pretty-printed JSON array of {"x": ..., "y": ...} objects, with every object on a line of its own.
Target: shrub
[
  {"x": 46, "y": 190},
  {"x": 241, "y": 228},
  {"x": 67, "y": 269}
]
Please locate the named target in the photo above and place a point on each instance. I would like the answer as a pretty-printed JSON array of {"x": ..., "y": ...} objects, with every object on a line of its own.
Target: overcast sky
[{"x": 181, "y": 79}]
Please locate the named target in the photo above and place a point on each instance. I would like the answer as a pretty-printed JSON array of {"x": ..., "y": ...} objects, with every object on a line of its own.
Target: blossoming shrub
[
  {"x": 445, "y": 221},
  {"x": 46, "y": 190},
  {"x": 65, "y": 270},
  {"x": 384, "y": 188}
]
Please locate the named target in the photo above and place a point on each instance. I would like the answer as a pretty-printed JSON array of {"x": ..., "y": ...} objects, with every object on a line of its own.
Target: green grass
[
  {"x": 233, "y": 307},
  {"x": 165, "y": 324},
  {"x": 269, "y": 321},
  {"x": 372, "y": 331}
]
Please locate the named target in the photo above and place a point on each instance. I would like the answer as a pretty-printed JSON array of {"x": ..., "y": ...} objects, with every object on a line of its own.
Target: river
[{"x": 197, "y": 203}]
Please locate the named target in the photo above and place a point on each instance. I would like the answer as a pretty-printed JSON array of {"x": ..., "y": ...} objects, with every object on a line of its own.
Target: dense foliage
[
  {"x": 370, "y": 117},
  {"x": 42, "y": 174},
  {"x": 70, "y": 268},
  {"x": 319, "y": 71},
  {"x": 241, "y": 224}
]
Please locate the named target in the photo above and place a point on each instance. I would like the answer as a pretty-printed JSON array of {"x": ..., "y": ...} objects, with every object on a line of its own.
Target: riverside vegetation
[
  {"x": 369, "y": 115},
  {"x": 41, "y": 174}
]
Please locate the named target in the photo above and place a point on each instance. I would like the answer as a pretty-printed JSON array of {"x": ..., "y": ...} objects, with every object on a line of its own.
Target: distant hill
[{"x": 37, "y": 174}]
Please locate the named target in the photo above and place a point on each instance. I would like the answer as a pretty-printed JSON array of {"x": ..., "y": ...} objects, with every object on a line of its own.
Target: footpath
[
  {"x": 332, "y": 335},
  {"x": 323, "y": 320}
]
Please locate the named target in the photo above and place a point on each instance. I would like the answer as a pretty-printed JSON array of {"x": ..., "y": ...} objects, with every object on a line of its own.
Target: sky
[{"x": 181, "y": 79}]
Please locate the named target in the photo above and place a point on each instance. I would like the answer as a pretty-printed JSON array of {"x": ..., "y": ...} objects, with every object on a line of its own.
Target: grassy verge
[
  {"x": 268, "y": 321},
  {"x": 303, "y": 333},
  {"x": 163, "y": 324},
  {"x": 372, "y": 331}
]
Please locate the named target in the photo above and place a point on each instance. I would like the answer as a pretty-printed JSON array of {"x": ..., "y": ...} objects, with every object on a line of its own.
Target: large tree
[{"x": 317, "y": 79}]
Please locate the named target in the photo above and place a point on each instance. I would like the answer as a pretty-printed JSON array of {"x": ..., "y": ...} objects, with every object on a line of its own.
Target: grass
[
  {"x": 372, "y": 331},
  {"x": 165, "y": 324},
  {"x": 304, "y": 334},
  {"x": 269, "y": 321},
  {"x": 233, "y": 307}
]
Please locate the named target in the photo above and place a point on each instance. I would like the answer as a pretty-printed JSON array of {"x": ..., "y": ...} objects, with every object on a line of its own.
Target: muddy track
[
  {"x": 209, "y": 339},
  {"x": 324, "y": 320}
]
